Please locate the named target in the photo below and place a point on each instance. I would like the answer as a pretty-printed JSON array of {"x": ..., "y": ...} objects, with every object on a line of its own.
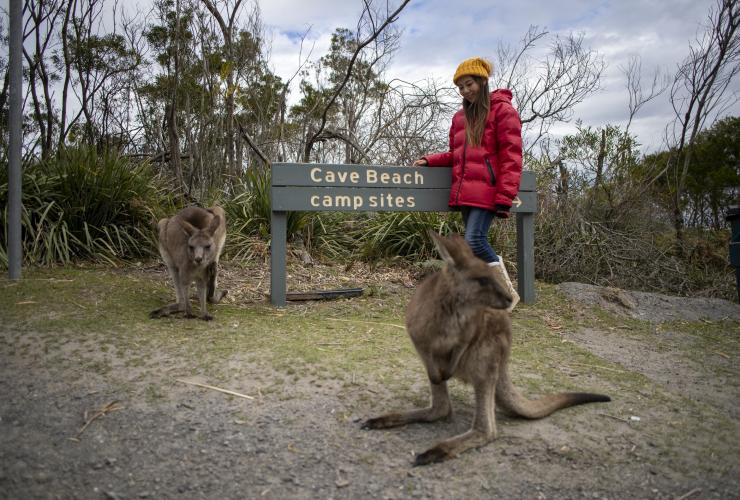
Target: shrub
[
  {"x": 630, "y": 249},
  {"x": 85, "y": 205},
  {"x": 403, "y": 234},
  {"x": 248, "y": 214}
]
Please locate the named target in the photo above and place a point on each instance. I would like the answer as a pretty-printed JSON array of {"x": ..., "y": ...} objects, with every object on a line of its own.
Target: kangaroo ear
[
  {"x": 453, "y": 250},
  {"x": 215, "y": 222},
  {"x": 441, "y": 243},
  {"x": 187, "y": 227}
]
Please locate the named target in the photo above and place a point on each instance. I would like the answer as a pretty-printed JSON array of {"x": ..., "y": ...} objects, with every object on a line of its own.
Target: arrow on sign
[{"x": 517, "y": 202}]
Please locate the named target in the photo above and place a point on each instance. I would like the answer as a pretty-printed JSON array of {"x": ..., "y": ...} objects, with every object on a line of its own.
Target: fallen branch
[
  {"x": 689, "y": 494},
  {"x": 110, "y": 407},
  {"x": 225, "y": 391},
  {"x": 615, "y": 418}
]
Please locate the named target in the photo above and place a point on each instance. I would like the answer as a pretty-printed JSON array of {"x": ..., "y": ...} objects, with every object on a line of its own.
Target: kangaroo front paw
[{"x": 432, "y": 455}]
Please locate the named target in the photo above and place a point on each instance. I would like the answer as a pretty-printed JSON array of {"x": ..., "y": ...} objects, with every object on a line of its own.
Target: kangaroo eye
[
  {"x": 191, "y": 247},
  {"x": 207, "y": 247}
]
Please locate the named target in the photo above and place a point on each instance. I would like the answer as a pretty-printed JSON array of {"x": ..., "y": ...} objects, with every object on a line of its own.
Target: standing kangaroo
[
  {"x": 190, "y": 244},
  {"x": 459, "y": 326}
]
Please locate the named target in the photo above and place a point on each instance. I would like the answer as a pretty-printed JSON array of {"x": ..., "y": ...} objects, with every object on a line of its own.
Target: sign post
[{"x": 317, "y": 187}]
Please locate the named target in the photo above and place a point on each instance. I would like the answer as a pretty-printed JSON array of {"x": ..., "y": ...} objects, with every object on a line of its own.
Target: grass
[
  {"x": 104, "y": 310},
  {"x": 93, "y": 306},
  {"x": 93, "y": 322}
]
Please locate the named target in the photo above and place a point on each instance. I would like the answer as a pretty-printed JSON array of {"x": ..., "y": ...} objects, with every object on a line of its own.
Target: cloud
[
  {"x": 437, "y": 36},
  {"x": 323, "y": 15}
]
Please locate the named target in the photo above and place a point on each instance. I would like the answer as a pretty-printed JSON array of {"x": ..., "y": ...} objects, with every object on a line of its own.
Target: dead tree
[
  {"x": 570, "y": 73},
  {"x": 699, "y": 93},
  {"x": 638, "y": 97}
]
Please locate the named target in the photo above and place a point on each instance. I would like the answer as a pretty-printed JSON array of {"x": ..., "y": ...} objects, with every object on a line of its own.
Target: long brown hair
[{"x": 476, "y": 113}]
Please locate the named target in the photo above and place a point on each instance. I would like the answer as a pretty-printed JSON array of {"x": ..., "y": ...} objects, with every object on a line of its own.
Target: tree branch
[{"x": 376, "y": 32}]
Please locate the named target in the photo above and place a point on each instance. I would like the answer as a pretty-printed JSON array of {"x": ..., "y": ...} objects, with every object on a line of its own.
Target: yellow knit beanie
[{"x": 475, "y": 67}]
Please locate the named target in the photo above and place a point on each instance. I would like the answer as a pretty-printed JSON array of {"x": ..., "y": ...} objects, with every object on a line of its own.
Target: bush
[
  {"x": 630, "y": 249},
  {"x": 248, "y": 215},
  {"x": 85, "y": 205},
  {"x": 403, "y": 234}
]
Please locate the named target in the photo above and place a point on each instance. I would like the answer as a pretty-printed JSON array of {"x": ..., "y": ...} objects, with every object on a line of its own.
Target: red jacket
[{"x": 487, "y": 175}]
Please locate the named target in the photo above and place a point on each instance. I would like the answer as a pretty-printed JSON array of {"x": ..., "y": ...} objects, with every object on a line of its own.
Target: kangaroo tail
[{"x": 510, "y": 400}]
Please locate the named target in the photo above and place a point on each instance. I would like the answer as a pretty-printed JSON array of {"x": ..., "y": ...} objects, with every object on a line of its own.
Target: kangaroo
[
  {"x": 458, "y": 323},
  {"x": 190, "y": 243}
]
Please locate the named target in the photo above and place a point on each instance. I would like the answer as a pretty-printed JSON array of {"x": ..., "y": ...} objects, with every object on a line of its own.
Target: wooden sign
[{"x": 370, "y": 188}]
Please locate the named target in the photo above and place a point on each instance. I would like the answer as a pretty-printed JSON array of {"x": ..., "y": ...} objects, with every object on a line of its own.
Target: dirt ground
[{"x": 670, "y": 366}]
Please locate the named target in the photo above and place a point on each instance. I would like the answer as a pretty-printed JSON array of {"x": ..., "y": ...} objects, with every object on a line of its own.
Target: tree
[
  {"x": 93, "y": 63},
  {"x": 600, "y": 163},
  {"x": 227, "y": 31},
  {"x": 698, "y": 95},
  {"x": 713, "y": 178},
  {"x": 370, "y": 28},
  {"x": 43, "y": 18},
  {"x": 172, "y": 42},
  {"x": 638, "y": 97},
  {"x": 547, "y": 90}
]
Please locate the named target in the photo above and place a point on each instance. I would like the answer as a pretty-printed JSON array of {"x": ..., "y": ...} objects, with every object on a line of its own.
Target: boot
[{"x": 500, "y": 272}]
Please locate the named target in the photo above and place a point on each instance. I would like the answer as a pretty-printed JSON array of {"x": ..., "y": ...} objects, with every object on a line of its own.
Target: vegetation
[
  {"x": 85, "y": 205},
  {"x": 179, "y": 106}
]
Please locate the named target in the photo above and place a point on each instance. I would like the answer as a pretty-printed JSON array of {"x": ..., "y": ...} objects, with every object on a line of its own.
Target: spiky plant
[{"x": 82, "y": 204}]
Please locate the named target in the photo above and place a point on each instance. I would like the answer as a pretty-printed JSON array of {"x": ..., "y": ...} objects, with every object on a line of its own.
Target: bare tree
[
  {"x": 282, "y": 102},
  {"x": 699, "y": 94},
  {"x": 368, "y": 21},
  {"x": 638, "y": 97},
  {"x": 547, "y": 90}
]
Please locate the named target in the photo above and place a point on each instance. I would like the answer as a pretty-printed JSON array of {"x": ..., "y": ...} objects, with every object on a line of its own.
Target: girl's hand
[{"x": 421, "y": 163}]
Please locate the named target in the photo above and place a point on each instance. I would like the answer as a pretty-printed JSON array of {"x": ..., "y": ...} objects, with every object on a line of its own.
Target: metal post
[
  {"x": 15, "y": 120},
  {"x": 278, "y": 249},
  {"x": 733, "y": 217},
  {"x": 525, "y": 257}
]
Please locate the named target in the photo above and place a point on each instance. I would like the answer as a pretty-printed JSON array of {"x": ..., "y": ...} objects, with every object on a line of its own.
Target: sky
[{"x": 439, "y": 34}]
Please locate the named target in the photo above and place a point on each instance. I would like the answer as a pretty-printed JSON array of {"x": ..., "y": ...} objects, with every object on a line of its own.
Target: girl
[{"x": 486, "y": 159}]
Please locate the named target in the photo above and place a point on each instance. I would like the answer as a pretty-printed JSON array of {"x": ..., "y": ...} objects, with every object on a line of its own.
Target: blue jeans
[{"x": 477, "y": 223}]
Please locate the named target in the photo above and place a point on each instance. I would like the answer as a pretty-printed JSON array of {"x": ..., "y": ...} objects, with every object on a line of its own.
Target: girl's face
[{"x": 468, "y": 88}]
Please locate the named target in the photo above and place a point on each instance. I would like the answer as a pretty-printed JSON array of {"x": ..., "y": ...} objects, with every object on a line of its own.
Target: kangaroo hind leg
[
  {"x": 214, "y": 294},
  {"x": 439, "y": 409},
  {"x": 178, "y": 306},
  {"x": 481, "y": 432}
]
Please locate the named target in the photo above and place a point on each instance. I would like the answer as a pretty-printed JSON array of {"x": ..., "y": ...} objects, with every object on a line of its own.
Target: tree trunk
[
  {"x": 67, "y": 76},
  {"x": 600, "y": 160},
  {"x": 174, "y": 141},
  {"x": 563, "y": 185}
]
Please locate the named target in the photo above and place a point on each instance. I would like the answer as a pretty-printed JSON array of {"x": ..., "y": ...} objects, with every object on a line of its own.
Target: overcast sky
[{"x": 437, "y": 35}]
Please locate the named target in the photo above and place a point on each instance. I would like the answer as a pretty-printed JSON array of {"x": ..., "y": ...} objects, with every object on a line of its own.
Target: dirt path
[{"x": 670, "y": 432}]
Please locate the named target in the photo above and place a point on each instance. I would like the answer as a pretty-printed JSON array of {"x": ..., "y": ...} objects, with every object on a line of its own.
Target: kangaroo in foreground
[
  {"x": 190, "y": 244},
  {"x": 460, "y": 328}
]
